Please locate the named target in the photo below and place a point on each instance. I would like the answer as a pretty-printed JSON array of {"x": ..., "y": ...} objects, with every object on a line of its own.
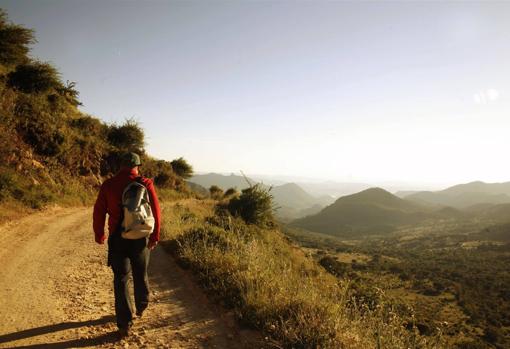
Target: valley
[{"x": 444, "y": 268}]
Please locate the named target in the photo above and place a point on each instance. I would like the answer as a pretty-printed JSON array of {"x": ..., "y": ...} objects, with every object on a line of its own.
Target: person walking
[{"x": 126, "y": 254}]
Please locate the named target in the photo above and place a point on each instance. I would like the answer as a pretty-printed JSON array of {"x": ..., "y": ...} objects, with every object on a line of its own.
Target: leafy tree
[
  {"x": 182, "y": 168},
  {"x": 34, "y": 77},
  {"x": 14, "y": 41},
  {"x": 127, "y": 137}
]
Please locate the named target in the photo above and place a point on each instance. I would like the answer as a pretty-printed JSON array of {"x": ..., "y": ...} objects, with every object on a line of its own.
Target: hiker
[{"x": 128, "y": 252}]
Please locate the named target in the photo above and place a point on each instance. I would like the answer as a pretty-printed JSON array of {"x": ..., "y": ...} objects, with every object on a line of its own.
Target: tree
[
  {"x": 182, "y": 168},
  {"x": 14, "y": 41}
]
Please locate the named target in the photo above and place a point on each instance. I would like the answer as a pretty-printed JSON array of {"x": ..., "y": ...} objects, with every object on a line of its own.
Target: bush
[
  {"x": 34, "y": 77},
  {"x": 16, "y": 186},
  {"x": 182, "y": 168},
  {"x": 160, "y": 170},
  {"x": 231, "y": 192},
  {"x": 14, "y": 42},
  {"x": 38, "y": 128},
  {"x": 69, "y": 92},
  {"x": 6, "y": 184},
  {"x": 216, "y": 192},
  {"x": 89, "y": 125},
  {"x": 254, "y": 206},
  {"x": 128, "y": 137}
]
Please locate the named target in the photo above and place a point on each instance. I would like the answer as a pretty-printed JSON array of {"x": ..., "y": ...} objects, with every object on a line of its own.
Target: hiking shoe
[{"x": 123, "y": 332}]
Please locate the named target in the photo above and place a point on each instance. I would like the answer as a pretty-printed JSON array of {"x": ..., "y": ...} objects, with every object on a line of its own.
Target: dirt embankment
[{"x": 56, "y": 292}]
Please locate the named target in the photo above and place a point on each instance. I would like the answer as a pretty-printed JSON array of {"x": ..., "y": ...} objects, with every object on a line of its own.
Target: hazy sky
[{"x": 415, "y": 92}]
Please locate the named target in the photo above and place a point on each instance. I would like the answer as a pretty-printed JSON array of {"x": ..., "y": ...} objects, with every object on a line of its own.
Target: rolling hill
[
  {"x": 465, "y": 195},
  {"x": 293, "y": 202},
  {"x": 371, "y": 211},
  {"x": 494, "y": 213}
]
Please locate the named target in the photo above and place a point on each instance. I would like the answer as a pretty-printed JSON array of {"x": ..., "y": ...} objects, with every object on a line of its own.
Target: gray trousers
[{"x": 125, "y": 256}]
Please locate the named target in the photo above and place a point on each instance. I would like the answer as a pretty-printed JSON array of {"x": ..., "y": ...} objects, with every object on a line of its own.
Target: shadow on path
[{"x": 80, "y": 342}]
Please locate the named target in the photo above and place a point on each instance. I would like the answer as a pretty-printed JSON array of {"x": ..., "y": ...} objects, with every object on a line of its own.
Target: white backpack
[{"x": 138, "y": 221}]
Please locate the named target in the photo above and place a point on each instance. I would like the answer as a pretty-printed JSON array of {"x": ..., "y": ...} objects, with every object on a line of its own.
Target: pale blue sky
[{"x": 415, "y": 92}]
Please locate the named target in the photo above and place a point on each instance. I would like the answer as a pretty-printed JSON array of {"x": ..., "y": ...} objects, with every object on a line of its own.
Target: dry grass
[
  {"x": 12, "y": 209},
  {"x": 275, "y": 287}
]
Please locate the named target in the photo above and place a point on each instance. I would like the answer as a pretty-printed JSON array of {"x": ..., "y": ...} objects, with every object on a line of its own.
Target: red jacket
[{"x": 109, "y": 201}]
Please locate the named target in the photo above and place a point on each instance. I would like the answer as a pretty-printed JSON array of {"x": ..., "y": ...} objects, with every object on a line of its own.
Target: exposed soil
[{"x": 56, "y": 292}]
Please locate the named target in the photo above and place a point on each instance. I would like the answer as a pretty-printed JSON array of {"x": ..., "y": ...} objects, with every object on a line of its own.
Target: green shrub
[
  {"x": 127, "y": 137},
  {"x": 35, "y": 77},
  {"x": 215, "y": 192},
  {"x": 254, "y": 206},
  {"x": 37, "y": 127},
  {"x": 16, "y": 186},
  {"x": 7, "y": 146},
  {"x": 36, "y": 196},
  {"x": 89, "y": 125},
  {"x": 230, "y": 192},
  {"x": 14, "y": 41},
  {"x": 159, "y": 170},
  {"x": 6, "y": 184},
  {"x": 182, "y": 168},
  {"x": 69, "y": 92}
]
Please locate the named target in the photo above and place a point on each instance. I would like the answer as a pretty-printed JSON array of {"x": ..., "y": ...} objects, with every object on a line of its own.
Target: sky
[{"x": 415, "y": 92}]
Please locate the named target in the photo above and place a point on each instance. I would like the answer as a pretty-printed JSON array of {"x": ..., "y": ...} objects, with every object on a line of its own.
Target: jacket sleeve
[
  {"x": 156, "y": 211},
  {"x": 99, "y": 216}
]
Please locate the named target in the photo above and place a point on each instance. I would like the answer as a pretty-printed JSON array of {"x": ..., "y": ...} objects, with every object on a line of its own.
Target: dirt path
[{"x": 56, "y": 292}]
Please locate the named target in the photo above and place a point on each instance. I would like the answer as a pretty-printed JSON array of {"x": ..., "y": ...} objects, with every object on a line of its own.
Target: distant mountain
[
  {"x": 223, "y": 181},
  {"x": 330, "y": 188},
  {"x": 293, "y": 195},
  {"x": 465, "y": 195},
  {"x": 403, "y": 193},
  {"x": 370, "y": 211},
  {"x": 480, "y": 187},
  {"x": 292, "y": 201}
]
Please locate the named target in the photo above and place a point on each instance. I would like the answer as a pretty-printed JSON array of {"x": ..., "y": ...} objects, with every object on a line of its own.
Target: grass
[
  {"x": 273, "y": 286},
  {"x": 11, "y": 209}
]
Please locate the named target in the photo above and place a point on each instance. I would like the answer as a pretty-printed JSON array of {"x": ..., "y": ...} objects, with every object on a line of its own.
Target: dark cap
[{"x": 130, "y": 160}]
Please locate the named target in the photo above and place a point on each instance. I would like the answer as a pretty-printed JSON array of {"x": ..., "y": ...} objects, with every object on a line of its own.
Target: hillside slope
[{"x": 50, "y": 151}]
